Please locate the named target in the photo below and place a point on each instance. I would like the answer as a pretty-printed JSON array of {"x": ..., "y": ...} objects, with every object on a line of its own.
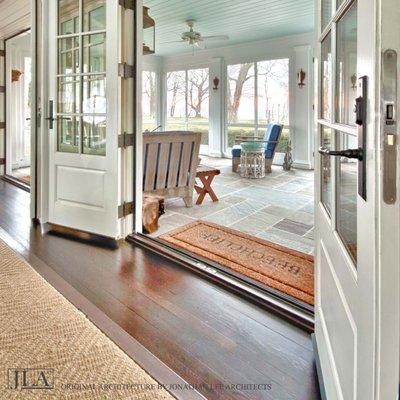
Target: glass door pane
[
  {"x": 326, "y": 169},
  {"x": 346, "y": 207},
  {"x": 326, "y": 13},
  {"x": 346, "y": 67},
  {"x": 326, "y": 80}
]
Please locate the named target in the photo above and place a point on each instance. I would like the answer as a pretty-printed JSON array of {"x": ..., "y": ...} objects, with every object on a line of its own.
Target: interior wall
[{"x": 299, "y": 50}]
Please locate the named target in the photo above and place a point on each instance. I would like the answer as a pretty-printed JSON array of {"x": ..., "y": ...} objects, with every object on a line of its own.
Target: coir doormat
[{"x": 273, "y": 265}]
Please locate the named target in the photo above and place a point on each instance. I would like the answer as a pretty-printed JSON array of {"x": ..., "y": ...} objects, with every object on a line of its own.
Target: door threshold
[
  {"x": 290, "y": 309},
  {"x": 17, "y": 182}
]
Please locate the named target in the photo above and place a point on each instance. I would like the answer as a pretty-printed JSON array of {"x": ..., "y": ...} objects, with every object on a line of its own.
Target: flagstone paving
[{"x": 279, "y": 207}]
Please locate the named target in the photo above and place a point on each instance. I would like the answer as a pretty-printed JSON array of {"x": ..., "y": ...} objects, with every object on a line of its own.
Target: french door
[
  {"x": 82, "y": 114},
  {"x": 357, "y": 281}
]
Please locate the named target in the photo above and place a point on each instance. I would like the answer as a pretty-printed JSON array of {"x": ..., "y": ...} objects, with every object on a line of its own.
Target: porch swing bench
[{"x": 170, "y": 160}]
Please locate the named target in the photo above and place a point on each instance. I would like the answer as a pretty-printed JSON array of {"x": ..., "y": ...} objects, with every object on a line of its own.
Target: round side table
[{"x": 252, "y": 164}]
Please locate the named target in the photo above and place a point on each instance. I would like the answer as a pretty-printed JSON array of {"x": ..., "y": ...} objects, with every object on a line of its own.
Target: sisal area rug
[
  {"x": 275, "y": 266},
  {"x": 46, "y": 343}
]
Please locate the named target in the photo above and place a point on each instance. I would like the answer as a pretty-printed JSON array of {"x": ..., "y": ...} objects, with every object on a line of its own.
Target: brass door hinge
[
  {"x": 2, "y": 53},
  {"x": 126, "y": 209},
  {"x": 2, "y": 89},
  {"x": 127, "y": 4},
  {"x": 2, "y": 161},
  {"x": 2, "y": 125},
  {"x": 126, "y": 140},
  {"x": 126, "y": 71}
]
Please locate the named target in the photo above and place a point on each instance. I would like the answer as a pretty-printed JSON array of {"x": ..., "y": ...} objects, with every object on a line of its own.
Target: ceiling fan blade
[
  {"x": 217, "y": 37},
  {"x": 174, "y": 41},
  {"x": 200, "y": 44}
]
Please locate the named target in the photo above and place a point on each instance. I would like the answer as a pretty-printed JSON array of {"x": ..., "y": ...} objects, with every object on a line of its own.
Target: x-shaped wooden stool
[{"x": 206, "y": 176}]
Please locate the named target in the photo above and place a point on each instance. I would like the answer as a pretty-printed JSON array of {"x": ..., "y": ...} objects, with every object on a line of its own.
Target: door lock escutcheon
[{"x": 389, "y": 125}]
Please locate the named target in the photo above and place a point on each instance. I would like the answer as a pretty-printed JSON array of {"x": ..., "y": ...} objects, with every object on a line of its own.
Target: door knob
[{"x": 348, "y": 153}]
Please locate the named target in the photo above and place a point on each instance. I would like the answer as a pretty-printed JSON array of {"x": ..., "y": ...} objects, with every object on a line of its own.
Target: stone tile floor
[{"x": 278, "y": 208}]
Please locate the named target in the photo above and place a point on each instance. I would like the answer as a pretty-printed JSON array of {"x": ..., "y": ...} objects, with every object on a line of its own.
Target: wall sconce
[
  {"x": 301, "y": 76},
  {"x": 15, "y": 75},
  {"x": 216, "y": 83},
  {"x": 353, "y": 80}
]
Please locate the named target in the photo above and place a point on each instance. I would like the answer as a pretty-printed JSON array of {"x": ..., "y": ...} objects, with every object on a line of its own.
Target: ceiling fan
[{"x": 194, "y": 38}]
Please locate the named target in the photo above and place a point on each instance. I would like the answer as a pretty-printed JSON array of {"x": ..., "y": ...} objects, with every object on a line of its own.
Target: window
[
  {"x": 149, "y": 101},
  {"x": 188, "y": 102},
  {"x": 82, "y": 109},
  {"x": 258, "y": 94}
]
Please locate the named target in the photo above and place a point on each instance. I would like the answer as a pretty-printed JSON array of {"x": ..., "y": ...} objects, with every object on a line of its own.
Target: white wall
[{"x": 297, "y": 48}]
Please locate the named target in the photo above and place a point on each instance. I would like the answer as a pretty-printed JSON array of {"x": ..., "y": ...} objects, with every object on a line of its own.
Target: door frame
[
  {"x": 291, "y": 309},
  {"x": 9, "y": 178}
]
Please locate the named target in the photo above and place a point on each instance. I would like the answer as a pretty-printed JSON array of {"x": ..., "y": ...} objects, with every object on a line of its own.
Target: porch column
[
  {"x": 301, "y": 117},
  {"x": 216, "y": 115}
]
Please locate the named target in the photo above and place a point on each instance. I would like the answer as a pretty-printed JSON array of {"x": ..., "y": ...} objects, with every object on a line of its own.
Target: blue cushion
[
  {"x": 271, "y": 134},
  {"x": 268, "y": 153},
  {"x": 236, "y": 150}
]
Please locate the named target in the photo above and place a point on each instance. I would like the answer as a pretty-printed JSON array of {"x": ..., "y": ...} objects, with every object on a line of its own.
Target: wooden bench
[{"x": 170, "y": 160}]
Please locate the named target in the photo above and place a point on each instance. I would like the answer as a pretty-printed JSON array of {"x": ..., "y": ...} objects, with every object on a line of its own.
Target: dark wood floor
[{"x": 203, "y": 332}]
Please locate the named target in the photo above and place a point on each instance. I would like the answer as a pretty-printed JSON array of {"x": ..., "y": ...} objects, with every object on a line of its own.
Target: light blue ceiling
[{"x": 242, "y": 20}]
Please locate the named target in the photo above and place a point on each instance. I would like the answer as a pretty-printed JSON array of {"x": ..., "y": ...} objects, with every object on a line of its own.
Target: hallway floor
[
  {"x": 203, "y": 332},
  {"x": 278, "y": 208}
]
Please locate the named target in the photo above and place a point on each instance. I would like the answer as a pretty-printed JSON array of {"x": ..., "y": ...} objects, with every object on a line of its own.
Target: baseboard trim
[
  {"x": 318, "y": 368},
  {"x": 302, "y": 165}
]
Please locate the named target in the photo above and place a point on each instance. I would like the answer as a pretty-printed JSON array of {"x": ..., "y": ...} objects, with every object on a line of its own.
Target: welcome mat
[
  {"x": 287, "y": 270},
  {"x": 46, "y": 343}
]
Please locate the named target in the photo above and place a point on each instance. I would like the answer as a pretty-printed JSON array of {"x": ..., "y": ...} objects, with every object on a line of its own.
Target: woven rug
[
  {"x": 286, "y": 270},
  {"x": 60, "y": 350}
]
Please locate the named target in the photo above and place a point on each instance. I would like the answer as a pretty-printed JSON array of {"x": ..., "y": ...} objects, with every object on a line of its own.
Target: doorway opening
[
  {"x": 228, "y": 143},
  {"x": 18, "y": 81}
]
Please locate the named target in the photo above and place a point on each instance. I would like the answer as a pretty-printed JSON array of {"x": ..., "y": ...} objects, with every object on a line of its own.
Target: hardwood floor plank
[{"x": 203, "y": 332}]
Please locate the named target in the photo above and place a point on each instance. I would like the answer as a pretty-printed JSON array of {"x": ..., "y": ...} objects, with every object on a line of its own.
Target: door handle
[
  {"x": 50, "y": 118},
  {"x": 348, "y": 153}
]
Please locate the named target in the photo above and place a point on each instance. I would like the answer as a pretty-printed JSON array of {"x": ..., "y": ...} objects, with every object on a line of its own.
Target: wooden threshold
[
  {"x": 17, "y": 182},
  {"x": 295, "y": 311}
]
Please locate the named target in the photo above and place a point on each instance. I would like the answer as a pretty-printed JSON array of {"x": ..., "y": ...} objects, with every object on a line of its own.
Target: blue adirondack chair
[{"x": 270, "y": 140}]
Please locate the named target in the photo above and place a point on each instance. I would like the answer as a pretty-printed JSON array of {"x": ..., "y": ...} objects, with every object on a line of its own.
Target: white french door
[
  {"x": 357, "y": 234},
  {"x": 83, "y": 114}
]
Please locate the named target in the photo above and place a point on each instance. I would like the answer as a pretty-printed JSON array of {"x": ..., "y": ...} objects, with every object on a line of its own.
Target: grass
[{"x": 201, "y": 125}]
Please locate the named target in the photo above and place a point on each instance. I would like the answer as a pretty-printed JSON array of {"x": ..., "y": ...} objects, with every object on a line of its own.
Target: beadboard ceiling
[
  {"x": 15, "y": 15},
  {"x": 242, "y": 20}
]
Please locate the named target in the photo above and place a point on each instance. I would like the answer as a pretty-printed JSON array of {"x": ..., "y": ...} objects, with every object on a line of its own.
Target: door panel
[
  {"x": 354, "y": 234},
  {"x": 84, "y": 88}
]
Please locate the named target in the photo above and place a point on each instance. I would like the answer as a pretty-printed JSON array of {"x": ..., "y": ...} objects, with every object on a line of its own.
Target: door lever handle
[{"x": 348, "y": 153}]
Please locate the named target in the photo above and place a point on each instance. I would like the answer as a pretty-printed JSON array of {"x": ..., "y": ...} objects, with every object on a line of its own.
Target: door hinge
[
  {"x": 2, "y": 53},
  {"x": 126, "y": 71},
  {"x": 126, "y": 209},
  {"x": 2, "y": 89},
  {"x": 2, "y": 161},
  {"x": 2, "y": 125},
  {"x": 126, "y": 140},
  {"x": 127, "y": 4}
]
